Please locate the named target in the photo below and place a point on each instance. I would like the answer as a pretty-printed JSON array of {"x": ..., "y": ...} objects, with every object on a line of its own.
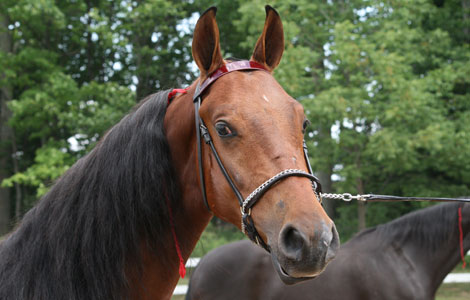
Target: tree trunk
[
  {"x": 466, "y": 19},
  {"x": 361, "y": 207},
  {"x": 4, "y": 163},
  {"x": 16, "y": 169},
  {"x": 5, "y": 130},
  {"x": 326, "y": 183}
]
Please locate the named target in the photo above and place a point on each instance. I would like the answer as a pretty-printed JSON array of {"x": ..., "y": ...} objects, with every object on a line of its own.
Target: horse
[
  {"x": 122, "y": 219},
  {"x": 407, "y": 258}
]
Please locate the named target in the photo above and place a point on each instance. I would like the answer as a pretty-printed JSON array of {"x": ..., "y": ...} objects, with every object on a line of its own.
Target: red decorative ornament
[{"x": 462, "y": 254}]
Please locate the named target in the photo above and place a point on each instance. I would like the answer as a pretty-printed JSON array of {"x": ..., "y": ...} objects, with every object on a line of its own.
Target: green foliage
[
  {"x": 50, "y": 163},
  {"x": 384, "y": 85},
  {"x": 100, "y": 106},
  {"x": 76, "y": 67},
  {"x": 38, "y": 113},
  {"x": 161, "y": 46},
  {"x": 57, "y": 111},
  {"x": 216, "y": 236}
]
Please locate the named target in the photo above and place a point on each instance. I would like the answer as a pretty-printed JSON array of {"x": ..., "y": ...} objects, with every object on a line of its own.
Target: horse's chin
[{"x": 285, "y": 277}]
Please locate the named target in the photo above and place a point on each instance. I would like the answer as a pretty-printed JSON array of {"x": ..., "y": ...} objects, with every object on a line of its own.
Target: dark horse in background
[
  {"x": 109, "y": 227},
  {"x": 407, "y": 258}
]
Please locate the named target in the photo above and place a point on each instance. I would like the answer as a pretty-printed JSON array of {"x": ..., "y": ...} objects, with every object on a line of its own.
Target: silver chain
[
  {"x": 260, "y": 188},
  {"x": 345, "y": 197}
]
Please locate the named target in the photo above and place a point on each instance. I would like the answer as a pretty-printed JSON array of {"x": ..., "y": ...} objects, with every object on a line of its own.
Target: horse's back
[
  {"x": 234, "y": 271},
  {"x": 359, "y": 272}
]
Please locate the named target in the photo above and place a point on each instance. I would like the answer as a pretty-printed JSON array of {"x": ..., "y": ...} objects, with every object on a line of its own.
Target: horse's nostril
[
  {"x": 334, "y": 244},
  {"x": 292, "y": 242}
]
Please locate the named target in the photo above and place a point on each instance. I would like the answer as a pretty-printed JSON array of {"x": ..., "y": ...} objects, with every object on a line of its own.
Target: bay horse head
[{"x": 251, "y": 158}]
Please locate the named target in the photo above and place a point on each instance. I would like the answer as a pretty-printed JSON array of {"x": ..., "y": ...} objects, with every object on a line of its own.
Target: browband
[{"x": 225, "y": 69}]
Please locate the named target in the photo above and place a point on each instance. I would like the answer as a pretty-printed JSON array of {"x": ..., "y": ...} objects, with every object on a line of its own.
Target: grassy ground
[
  {"x": 454, "y": 291},
  {"x": 459, "y": 269},
  {"x": 449, "y": 291}
]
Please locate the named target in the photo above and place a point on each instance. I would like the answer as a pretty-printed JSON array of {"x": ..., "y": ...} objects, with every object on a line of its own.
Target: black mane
[
  {"x": 77, "y": 242},
  {"x": 429, "y": 228}
]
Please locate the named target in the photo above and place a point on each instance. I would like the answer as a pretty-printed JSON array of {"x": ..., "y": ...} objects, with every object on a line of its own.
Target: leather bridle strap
[
  {"x": 207, "y": 138},
  {"x": 247, "y": 225},
  {"x": 197, "y": 105},
  {"x": 197, "y": 99}
]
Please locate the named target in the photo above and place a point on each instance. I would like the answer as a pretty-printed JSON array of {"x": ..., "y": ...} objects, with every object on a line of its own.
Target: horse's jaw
[{"x": 284, "y": 276}]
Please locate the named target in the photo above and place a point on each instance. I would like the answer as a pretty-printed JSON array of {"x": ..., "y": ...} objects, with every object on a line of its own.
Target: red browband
[{"x": 225, "y": 69}]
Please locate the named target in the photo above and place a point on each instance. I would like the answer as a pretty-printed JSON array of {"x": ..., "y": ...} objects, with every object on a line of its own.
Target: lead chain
[{"x": 345, "y": 197}]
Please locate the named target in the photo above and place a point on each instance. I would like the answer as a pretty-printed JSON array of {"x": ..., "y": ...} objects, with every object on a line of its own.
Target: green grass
[
  {"x": 184, "y": 280},
  {"x": 459, "y": 269},
  {"x": 216, "y": 236},
  {"x": 453, "y": 291},
  {"x": 448, "y": 291}
]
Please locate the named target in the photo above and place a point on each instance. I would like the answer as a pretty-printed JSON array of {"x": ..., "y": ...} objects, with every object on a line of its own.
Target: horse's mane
[
  {"x": 82, "y": 236},
  {"x": 429, "y": 227}
]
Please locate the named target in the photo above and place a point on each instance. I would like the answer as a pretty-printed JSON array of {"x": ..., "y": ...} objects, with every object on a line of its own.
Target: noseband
[{"x": 247, "y": 224}]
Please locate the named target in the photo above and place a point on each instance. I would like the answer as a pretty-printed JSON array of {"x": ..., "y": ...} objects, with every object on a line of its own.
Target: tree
[
  {"x": 71, "y": 69},
  {"x": 5, "y": 130},
  {"x": 158, "y": 34},
  {"x": 371, "y": 77},
  {"x": 400, "y": 135}
]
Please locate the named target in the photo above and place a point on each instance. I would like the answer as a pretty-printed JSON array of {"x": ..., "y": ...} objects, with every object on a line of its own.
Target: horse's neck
[
  {"x": 181, "y": 134},
  {"x": 159, "y": 280},
  {"x": 449, "y": 253},
  {"x": 433, "y": 265}
]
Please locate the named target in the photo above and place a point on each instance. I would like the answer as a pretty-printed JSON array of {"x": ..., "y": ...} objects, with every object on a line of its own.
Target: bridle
[{"x": 247, "y": 223}]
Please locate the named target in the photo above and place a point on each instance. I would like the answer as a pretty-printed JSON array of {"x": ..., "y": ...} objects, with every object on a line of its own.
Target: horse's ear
[
  {"x": 206, "y": 47},
  {"x": 270, "y": 45}
]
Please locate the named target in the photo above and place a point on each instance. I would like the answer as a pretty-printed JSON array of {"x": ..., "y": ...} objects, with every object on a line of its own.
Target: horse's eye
[
  {"x": 305, "y": 125},
  {"x": 223, "y": 130}
]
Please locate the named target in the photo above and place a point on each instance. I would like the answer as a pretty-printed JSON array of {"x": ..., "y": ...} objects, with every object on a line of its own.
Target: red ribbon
[
  {"x": 182, "y": 268},
  {"x": 462, "y": 254},
  {"x": 173, "y": 93}
]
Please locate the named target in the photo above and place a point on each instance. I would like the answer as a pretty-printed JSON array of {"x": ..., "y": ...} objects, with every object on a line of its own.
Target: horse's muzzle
[{"x": 298, "y": 257}]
